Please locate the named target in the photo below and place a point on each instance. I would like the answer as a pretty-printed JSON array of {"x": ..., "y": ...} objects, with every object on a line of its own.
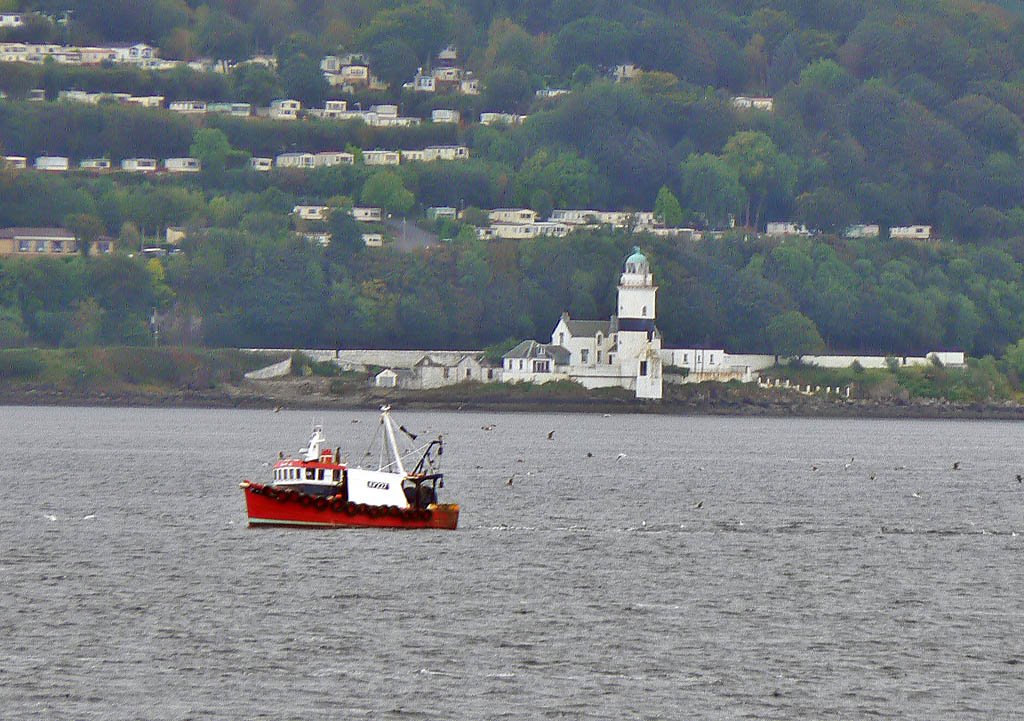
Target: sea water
[{"x": 636, "y": 567}]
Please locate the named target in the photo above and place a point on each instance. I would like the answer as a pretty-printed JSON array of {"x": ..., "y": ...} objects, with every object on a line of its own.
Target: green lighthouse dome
[{"x": 636, "y": 260}]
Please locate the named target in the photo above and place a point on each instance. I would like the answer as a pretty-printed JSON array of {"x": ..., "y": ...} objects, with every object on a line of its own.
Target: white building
[
  {"x": 331, "y": 158},
  {"x": 285, "y": 109},
  {"x": 861, "y": 230},
  {"x": 295, "y": 160},
  {"x": 238, "y": 110},
  {"x": 54, "y": 163},
  {"x": 14, "y": 162},
  {"x": 261, "y": 165},
  {"x": 188, "y": 107},
  {"x": 11, "y": 20},
  {"x": 783, "y": 229},
  {"x": 182, "y": 165},
  {"x": 443, "y": 115},
  {"x": 624, "y": 351},
  {"x": 95, "y": 164},
  {"x": 911, "y": 232},
  {"x": 744, "y": 102},
  {"x": 367, "y": 215},
  {"x": 312, "y": 212},
  {"x": 501, "y": 119},
  {"x": 146, "y": 101},
  {"x": 513, "y": 216},
  {"x": 381, "y": 157},
  {"x": 139, "y": 165}
]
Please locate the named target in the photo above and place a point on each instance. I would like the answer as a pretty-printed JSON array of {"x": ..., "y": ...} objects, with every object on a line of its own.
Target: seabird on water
[{"x": 551, "y": 434}]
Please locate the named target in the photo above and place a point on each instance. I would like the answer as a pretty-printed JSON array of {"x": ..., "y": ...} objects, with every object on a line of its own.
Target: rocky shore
[{"x": 316, "y": 393}]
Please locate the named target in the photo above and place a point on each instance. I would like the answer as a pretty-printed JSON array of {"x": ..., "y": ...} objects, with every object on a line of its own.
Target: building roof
[
  {"x": 588, "y": 328},
  {"x": 37, "y": 233},
  {"x": 637, "y": 257},
  {"x": 533, "y": 349}
]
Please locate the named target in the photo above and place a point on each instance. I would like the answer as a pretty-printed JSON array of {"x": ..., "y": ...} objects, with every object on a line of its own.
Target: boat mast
[{"x": 385, "y": 418}]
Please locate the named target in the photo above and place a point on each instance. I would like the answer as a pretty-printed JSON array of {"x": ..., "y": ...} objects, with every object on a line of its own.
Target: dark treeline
[{"x": 233, "y": 288}]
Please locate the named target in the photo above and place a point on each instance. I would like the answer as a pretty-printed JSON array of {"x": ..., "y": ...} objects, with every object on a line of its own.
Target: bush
[{"x": 20, "y": 363}]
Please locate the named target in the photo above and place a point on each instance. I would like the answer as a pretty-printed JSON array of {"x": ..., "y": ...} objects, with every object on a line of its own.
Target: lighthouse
[{"x": 639, "y": 342}]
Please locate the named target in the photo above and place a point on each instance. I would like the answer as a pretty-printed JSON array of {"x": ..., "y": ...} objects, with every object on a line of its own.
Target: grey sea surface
[{"x": 638, "y": 567}]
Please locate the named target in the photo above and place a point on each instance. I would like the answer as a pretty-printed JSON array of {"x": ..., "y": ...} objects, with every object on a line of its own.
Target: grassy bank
[
  {"x": 981, "y": 380},
  {"x": 125, "y": 369}
]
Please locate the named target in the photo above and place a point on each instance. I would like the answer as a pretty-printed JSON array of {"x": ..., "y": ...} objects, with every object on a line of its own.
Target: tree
[
  {"x": 667, "y": 209},
  {"x": 792, "y": 334},
  {"x": 222, "y": 36},
  {"x": 385, "y": 189},
  {"x": 346, "y": 237},
  {"x": 591, "y": 40},
  {"x": 303, "y": 80},
  {"x": 508, "y": 89},
  {"x": 87, "y": 228},
  {"x": 212, "y": 149},
  {"x": 255, "y": 83},
  {"x": 825, "y": 209},
  {"x": 761, "y": 168},
  {"x": 711, "y": 187}
]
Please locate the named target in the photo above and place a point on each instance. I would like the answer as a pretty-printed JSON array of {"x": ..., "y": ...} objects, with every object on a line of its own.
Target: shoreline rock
[{"x": 311, "y": 394}]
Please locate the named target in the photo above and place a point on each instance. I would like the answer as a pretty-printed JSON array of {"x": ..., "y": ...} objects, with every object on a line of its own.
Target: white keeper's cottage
[{"x": 624, "y": 351}]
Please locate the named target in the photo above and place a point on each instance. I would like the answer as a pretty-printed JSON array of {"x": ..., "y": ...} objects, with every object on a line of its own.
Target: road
[{"x": 409, "y": 236}]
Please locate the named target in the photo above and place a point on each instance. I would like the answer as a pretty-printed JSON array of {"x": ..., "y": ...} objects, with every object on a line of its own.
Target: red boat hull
[{"x": 267, "y": 506}]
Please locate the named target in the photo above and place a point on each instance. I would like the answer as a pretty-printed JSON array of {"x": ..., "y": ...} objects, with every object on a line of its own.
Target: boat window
[
  {"x": 320, "y": 474},
  {"x": 310, "y": 474}
]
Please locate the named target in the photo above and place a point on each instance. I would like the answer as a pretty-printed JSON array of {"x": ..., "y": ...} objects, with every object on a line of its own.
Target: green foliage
[
  {"x": 794, "y": 334},
  {"x": 711, "y": 188},
  {"x": 667, "y": 209},
  {"x": 386, "y": 190},
  {"x": 19, "y": 363}
]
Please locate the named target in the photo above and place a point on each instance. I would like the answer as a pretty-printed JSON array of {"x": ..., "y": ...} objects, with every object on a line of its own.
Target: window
[
  {"x": 520, "y": 364},
  {"x": 711, "y": 359},
  {"x": 541, "y": 366},
  {"x": 599, "y": 356},
  {"x": 584, "y": 356},
  {"x": 561, "y": 339},
  {"x": 24, "y": 246},
  {"x": 57, "y": 246},
  {"x": 611, "y": 358},
  {"x": 643, "y": 368},
  {"x": 445, "y": 372},
  {"x": 643, "y": 311},
  {"x": 320, "y": 474},
  {"x": 40, "y": 246},
  {"x": 490, "y": 372},
  {"x": 469, "y": 373},
  {"x": 686, "y": 358}
]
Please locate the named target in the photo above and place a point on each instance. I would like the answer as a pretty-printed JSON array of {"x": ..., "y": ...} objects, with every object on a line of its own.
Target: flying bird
[
  {"x": 1020, "y": 478},
  {"x": 620, "y": 456},
  {"x": 956, "y": 466},
  {"x": 699, "y": 504},
  {"x": 847, "y": 466}
]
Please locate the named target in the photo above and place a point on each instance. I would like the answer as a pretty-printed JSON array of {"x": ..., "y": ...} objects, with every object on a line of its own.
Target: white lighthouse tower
[{"x": 639, "y": 342}]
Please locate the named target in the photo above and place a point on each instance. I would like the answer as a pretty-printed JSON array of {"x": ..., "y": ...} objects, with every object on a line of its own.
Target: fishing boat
[{"x": 318, "y": 489}]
